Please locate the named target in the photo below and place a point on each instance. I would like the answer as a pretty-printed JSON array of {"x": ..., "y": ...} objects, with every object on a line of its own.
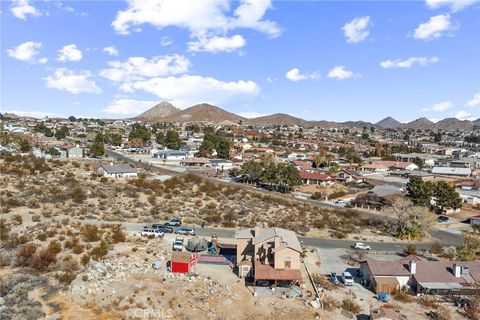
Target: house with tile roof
[{"x": 269, "y": 254}]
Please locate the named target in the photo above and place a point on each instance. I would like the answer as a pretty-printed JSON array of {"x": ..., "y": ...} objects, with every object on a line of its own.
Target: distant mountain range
[{"x": 166, "y": 112}]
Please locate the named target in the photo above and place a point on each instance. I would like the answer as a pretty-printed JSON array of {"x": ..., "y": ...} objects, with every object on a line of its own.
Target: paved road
[{"x": 446, "y": 238}]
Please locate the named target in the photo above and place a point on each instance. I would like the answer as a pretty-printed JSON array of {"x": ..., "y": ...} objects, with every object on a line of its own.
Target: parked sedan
[
  {"x": 442, "y": 218},
  {"x": 186, "y": 231},
  {"x": 361, "y": 246}
]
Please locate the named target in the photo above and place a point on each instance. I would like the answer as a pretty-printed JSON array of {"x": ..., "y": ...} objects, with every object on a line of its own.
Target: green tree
[
  {"x": 287, "y": 175},
  {"x": 419, "y": 191},
  {"x": 98, "y": 147},
  {"x": 419, "y": 162},
  {"x": 61, "y": 133},
  {"x": 172, "y": 140},
  {"x": 24, "y": 145},
  {"x": 211, "y": 142},
  {"x": 139, "y": 131},
  {"x": 446, "y": 196},
  {"x": 252, "y": 170},
  {"x": 160, "y": 137},
  {"x": 72, "y": 119}
]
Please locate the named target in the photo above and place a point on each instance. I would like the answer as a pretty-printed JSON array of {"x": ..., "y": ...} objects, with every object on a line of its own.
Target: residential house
[
  {"x": 170, "y": 155},
  {"x": 421, "y": 275},
  {"x": 273, "y": 254},
  {"x": 195, "y": 162},
  {"x": 451, "y": 171},
  {"x": 349, "y": 176},
  {"x": 221, "y": 164},
  {"x": 317, "y": 178},
  {"x": 75, "y": 152},
  {"x": 117, "y": 171}
]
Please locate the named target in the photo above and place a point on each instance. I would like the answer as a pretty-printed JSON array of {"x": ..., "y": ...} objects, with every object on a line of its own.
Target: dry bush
[
  {"x": 428, "y": 301},
  {"x": 90, "y": 233},
  {"x": 351, "y": 305},
  {"x": 330, "y": 303},
  {"x": 36, "y": 218},
  {"x": 85, "y": 259},
  {"x": 24, "y": 255},
  {"x": 322, "y": 281},
  {"x": 69, "y": 263},
  {"x": 99, "y": 251},
  {"x": 17, "y": 219},
  {"x": 410, "y": 250},
  {"x": 436, "y": 247},
  {"x": 472, "y": 310},
  {"x": 402, "y": 295},
  {"x": 42, "y": 259},
  {"x": 65, "y": 277},
  {"x": 118, "y": 234},
  {"x": 54, "y": 247},
  {"x": 78, "y": 248}
]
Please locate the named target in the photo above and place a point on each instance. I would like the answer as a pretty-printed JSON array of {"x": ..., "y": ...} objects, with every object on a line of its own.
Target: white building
[{"x": 117, "y": 171}]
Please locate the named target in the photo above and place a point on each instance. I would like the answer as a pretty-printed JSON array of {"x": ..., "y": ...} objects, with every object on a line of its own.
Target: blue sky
[{"x": 323, "y": 60}]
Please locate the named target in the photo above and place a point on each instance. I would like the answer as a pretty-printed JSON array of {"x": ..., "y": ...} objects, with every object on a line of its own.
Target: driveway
[{"x": 330, "y": 261}]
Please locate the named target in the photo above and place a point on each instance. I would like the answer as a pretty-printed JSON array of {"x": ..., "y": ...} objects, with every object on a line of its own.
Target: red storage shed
[{"x": 183, "y": 262}]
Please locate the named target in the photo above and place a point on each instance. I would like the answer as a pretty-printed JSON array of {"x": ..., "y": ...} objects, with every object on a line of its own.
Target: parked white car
[
  {"x": 152, "y": 232},
  {"x": 361, "y": 246},
  {"x": 178, "y": 244},
  {"x": 347, "y": 279}
]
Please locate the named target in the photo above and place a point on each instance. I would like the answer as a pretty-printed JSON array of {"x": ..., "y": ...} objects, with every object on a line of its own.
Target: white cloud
[
  {"x": 111, "y": 50},
  {"x": 295, "y": 75},
  {"x": 138, "y": 68},
  {"x": 166, "y": 41},
  {"x": 217, "y": 44},
  {"x": 25, "y": 51},
  {"x": 475, "y": 101},
  {"x": 200, "y": 17},
  {"x": 439, "y": 107},
  {"x": 189, "y": 89},
  {"x": 408, "y": 63},
  {"x": 129, "y": 106},
  {"x": 22, "y": 8},
  {"x": 464, "y": 115},
  {"x": 357, "y": 29},
  {"x": 340, "y": 73},
  {"x": 67, "y": 80},
  {"x": 251, "y": 114},
  {"x": 69, "y": 52},
  {"x": 434, "y": 28},
  {"x": 454, "y": 5},
  {"x": 204, "y": 19}
]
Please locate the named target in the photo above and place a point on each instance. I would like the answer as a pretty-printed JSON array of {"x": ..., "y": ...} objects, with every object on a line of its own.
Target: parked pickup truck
[
  {"x": 178, "y": 244},
  {"x": 152, "y": 232}
]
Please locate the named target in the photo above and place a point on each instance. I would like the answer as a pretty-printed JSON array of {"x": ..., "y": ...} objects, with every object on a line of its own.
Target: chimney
[
  {"x": 256, "y": 231},
  {"x": 457, "y": 270},
  {"x": 412, "y": 266}
]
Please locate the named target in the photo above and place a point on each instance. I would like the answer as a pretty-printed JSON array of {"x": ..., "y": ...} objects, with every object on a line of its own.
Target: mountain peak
[
  {"x": 160, "y": 110},
  {"x": 388, "y": 123}
]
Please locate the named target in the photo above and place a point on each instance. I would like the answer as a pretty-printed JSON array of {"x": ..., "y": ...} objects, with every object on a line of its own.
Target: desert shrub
[
  {"x": 65, "y": 277},
  {"x": 6, "y": 258},
  {"x": 118, "y": 234},
  {"x": 69, "y": 263},
  {"x": 322, "y": 281},
  {"x": 90, "y": 233},
  {"x": 410, "y": 250},
  {"x": 351, "y": 305},
  {"x": 472, "y": 310},
  {"x": 54, "y": 247},
  {"x": 36, "y": 218},
  {"x": 78, "y": 248},
  {"x": 78, "y": 196},
  {"x": 329, "y": 303},
  {"x": 4, "y": 230},
  {"x": 17, "y": 218},
  {"x": 319, "y": 223},
  {"x": 436, "y": 247},
  {"x": 14, "y": 241},
  {"x": 339, "y": 234},
  {"x": 99, "y": 251},
  {"x": 402, "y": 295},
  {"x": 317, "y": 196},
  {"x": 85, "y": 259},
  {"x": 42, "y": 259},
  {"x": 42, "y": 236},
  {"x": 24, "y": 255},
  {"x": 428, "y": 301},
  {"x": 103, "y": 179},
  {"x": 337, "y": 194}
]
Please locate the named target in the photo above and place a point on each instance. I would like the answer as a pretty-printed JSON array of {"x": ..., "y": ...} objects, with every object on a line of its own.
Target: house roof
[
  {"x": 266, "y": 272},
  {"x": 306, "y": 175},
  {"x": 288, "y": 238},
  {"x": 118, "y": 168},
  {"x": 452, "y": 171},
  {"x": 385, "y": 190}
]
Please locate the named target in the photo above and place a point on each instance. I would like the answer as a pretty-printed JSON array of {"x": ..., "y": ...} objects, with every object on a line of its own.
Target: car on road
[
  {"x": 152, "y": 232},
  {"x": 361, "y": 246},
  {"x": 163, "y": 227},
  {"x": 442, "y": 218},
  {"x": 174, "y": 222},
  {"x": 177, "y": 244},
  {"x": 186, "y": 231},
  {"x": 341, "y": 202},
  {"x": 347, "y": 278}
]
